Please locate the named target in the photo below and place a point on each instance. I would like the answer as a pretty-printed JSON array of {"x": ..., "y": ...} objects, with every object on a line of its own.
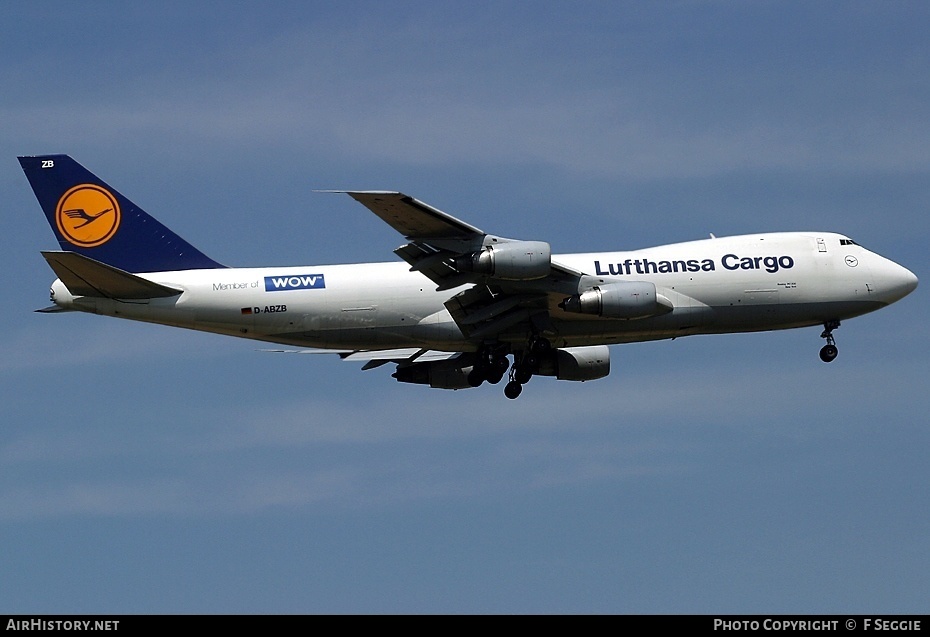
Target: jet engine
[
  {"x": 438, "y": 374},
  {"x": 620, "y": 300},
  {"x": 576, "y": 363},
  {"x": 514, "y": 261}
]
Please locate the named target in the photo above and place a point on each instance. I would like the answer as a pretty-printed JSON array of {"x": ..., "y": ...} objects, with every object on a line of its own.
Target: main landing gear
[
  {"x": 524, "y": 364},
  {"x": 829, "y": 351},
  {"x": 491, "y": 366}
]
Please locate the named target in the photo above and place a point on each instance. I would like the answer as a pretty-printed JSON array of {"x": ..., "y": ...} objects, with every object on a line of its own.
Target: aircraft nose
[
  {"x": 908, "y": 281},
  {"x": 895, "y": 281}
]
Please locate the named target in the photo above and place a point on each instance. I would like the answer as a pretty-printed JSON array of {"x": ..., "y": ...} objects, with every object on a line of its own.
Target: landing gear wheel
[
  {"x": 512, "y": 389},
  {"x": 522, "y": 375},
  {"x": 490, "y": 365},
  {"x": 525, "y": 363},
  {"x": 828, "y": 353},
  {"x": 498, "y": 369},
  {"x": 496, "y": 377}
]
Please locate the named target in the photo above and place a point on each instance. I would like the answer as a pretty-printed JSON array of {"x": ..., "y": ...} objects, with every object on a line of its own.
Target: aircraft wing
[
  {"x": 515, "y": 287},
  {"x": 413, "y": 218},
  {"x": 436, "y": 238},
  {"x": 377, "y": 358}
]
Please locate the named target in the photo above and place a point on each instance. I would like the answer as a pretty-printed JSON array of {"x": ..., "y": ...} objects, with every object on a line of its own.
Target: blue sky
[{"x": 144, "y": 469}]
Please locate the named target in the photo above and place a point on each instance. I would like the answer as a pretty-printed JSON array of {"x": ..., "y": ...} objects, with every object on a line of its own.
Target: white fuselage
[{"x": 727, "y": 284}]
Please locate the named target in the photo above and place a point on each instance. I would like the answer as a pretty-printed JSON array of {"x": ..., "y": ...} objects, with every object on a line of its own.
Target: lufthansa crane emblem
[{"x": 87, "y": 215}]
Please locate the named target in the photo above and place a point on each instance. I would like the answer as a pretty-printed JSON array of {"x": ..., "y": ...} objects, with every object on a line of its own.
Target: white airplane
[{"x": 464, "y": 300}]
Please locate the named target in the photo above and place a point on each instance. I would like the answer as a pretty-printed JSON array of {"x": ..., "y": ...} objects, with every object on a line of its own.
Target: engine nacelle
[
  {"x": 620, "y": 300},
  {"x": 438, "y": 374},
  {"x": 514, "y": 261},
  {"x": 576, "y": 363}
]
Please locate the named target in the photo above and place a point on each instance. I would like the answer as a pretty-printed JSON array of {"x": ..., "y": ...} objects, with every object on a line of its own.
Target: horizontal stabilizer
[{"x": 84, "y": 276}]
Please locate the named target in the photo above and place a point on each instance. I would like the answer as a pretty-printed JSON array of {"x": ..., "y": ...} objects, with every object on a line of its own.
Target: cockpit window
[{"x": 848, "y": 242}]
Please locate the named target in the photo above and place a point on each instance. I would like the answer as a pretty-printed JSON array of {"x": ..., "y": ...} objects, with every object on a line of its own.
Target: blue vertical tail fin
[{"x": 94, "y": 220}]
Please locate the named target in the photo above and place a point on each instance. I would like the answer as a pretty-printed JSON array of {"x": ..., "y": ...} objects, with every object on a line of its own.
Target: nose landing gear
[{"x": 829, "y": 351}]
